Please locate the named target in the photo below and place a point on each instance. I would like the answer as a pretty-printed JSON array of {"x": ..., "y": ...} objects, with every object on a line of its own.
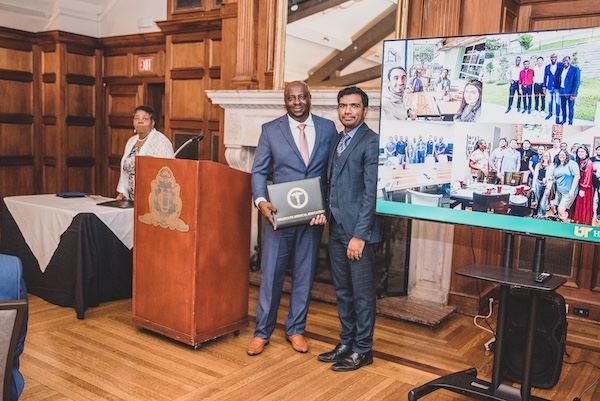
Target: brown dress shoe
[
  {"x": 257, "y": 345},
  {"x": 298, "y": 343}
]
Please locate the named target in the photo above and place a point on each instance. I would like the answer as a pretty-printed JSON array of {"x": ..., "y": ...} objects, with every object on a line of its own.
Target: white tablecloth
[{"x": 43, "y": 218}]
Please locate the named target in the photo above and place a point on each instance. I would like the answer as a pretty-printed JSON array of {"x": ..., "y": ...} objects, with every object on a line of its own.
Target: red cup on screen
[
  {"x": 499, "y": 188},
  {"x": 488, "y": 191}
]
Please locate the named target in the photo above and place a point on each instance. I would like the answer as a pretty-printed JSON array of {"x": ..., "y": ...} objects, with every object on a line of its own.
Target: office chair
[
  {"x": 419, "y": 198},
  {"x": 495, "y": 203}
]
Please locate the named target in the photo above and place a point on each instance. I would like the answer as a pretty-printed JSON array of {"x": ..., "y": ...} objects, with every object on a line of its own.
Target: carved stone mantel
[{"x": 246, "y": 111}]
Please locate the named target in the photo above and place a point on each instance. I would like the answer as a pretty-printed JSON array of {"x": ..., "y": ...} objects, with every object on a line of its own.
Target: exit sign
[{"x": 145, "y": 64}]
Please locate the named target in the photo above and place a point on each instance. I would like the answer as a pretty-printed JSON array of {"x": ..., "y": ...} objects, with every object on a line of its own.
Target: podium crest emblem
[{"x": 165, "y": 202}]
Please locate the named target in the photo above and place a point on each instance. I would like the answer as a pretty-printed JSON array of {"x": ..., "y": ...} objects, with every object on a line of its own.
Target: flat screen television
[{"x": 493, "y": 130}]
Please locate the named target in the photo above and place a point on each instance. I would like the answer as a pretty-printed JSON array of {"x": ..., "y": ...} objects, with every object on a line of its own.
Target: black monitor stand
[{"x": 466, "y": 382}]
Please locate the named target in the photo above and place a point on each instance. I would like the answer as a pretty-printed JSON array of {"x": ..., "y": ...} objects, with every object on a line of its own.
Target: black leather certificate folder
[{"x": 297, "y": 202}]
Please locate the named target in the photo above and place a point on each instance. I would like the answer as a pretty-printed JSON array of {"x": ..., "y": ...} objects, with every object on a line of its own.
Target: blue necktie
[{"x": 343, "y": 144}]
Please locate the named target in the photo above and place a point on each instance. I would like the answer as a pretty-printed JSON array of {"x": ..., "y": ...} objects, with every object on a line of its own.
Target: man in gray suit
[
  {"x": 354, "y": 231},
  {"x": 295, "y": 147}
]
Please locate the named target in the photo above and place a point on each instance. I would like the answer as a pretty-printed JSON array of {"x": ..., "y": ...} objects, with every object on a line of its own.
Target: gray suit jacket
[{"x": 352, "y": 179}]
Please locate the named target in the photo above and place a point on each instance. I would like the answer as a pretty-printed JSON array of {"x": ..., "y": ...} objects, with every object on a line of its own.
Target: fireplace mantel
[{"x": 246, "y": 111}]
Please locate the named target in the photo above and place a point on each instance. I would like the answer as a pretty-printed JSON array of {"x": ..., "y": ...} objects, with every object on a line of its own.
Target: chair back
[
  {"x": 393, "y": 160},
  {"x": 514, "y": 178},
  {"x": 12, "y": 314},
  {"x": 12, "y": 287},
  {"x": 492, "y": 177},
  {"x": 420, "y": 198},
  {"x": 495, "y": 203}
]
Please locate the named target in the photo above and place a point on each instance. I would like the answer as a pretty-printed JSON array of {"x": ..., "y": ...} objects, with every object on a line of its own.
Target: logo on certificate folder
[{"x": 297, "y": 198}]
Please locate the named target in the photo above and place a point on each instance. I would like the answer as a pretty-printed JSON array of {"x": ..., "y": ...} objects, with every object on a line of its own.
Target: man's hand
[
  {"x": 355, "y": 248},
  {"x": 267, "y": 209},
  {"x": 120, "y": 196},
  {"x": 320, "y": 220}
]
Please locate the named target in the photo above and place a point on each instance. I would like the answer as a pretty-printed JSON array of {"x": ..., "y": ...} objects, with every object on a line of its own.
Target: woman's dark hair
[
  {"x": 150, "y": 112},
  {"x": 557, "y": 160},
  {"x": 353, "y": 90},
  {"x": 479, "y": 86},
  {"x": 478, "y": 143},
  {"x": 579, "y": 160}
]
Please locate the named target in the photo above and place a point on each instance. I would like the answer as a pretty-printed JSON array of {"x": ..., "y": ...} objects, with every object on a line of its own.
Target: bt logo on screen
[{"x": 584, "y": 232}]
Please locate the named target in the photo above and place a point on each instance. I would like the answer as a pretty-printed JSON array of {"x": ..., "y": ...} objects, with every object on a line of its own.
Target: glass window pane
[{"x": 188, "y": 3}]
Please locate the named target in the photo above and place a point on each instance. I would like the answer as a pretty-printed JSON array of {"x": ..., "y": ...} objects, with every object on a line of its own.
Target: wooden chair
[{"x": 11, "y": 318}]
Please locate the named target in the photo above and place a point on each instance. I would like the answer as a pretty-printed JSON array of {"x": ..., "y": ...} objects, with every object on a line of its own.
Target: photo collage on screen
[{"x": 504, "y": 124}]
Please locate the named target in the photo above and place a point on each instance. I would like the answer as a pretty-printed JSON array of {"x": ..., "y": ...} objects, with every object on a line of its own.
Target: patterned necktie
[
  {"x": 303, "y": 144},
  {"x": 343, "y": 144}
]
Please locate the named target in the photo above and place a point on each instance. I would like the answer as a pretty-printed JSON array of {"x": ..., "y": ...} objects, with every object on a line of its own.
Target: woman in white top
[{"x": 147, "y": 142}]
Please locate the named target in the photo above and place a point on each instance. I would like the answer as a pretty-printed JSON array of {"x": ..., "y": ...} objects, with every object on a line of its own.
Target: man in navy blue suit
[
  {"x": 568, "y": 82},
  {"x": 295, "y": 146},
  {"x": 551, "y": 72},
  {"x": 354, "y": 231}
]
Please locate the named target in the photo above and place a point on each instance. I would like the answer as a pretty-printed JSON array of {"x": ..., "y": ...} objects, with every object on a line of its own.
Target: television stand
[{"x": 466, "y": 382}]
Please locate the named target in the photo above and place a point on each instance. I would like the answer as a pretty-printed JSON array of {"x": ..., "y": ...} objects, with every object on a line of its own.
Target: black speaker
[{"x": 550, "y": 336}]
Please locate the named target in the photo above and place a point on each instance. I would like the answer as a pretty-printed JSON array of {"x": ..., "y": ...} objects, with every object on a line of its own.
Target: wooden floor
[{"x": 105, "y": 358}]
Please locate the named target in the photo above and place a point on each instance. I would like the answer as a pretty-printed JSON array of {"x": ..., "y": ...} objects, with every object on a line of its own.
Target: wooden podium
[{"x": 191, "y": 253}]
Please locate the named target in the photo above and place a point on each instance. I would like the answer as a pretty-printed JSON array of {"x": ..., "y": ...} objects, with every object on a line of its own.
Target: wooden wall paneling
[
  {"x": 117, "y": 66},
  {"x": 194, "y": 55},
  {"x": 126, "y": 88},
  {"x": 266, "y": 43},
  {"x": 16, "y": 139},
  {"x": 582, "y": 289},
  {"x": 17, "y": 92},
  {"x": 16, "y": 59},
  {"x": 433, "y": 18},
  {"x": 50, "y": 176},
  {"x": 229, "y": 44},
  {"x": 83, "y": 151},
  {"x": 478, "y": 17},
  {"x": 473, "y": 245},
  {"x": 18, "y": 83},
  {"x": 121, "y": 100},
  {"x": 563, "y": 14},
  {"x": 17, "y": 178}
]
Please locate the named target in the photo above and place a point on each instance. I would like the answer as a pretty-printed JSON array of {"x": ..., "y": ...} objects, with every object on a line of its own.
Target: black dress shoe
[
  {"x": 354, "y": 361},
  {"x": 340, "y": 352}
]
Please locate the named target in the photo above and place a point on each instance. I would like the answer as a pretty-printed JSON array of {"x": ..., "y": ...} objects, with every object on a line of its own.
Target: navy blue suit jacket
[
  {"x": 550, "y": 79},
  {"x": 571, "y": 84},
  {"x": 276, "y": 149},
  {"x": 355, "y": 185}
]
